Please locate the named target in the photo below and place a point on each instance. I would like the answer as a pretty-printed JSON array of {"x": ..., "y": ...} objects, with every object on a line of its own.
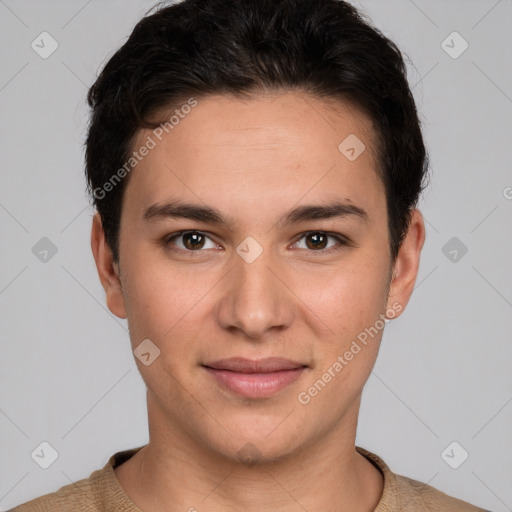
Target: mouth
[{"x": 255, "y": 378}]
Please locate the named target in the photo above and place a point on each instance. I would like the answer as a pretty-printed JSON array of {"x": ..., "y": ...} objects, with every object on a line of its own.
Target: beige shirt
[{"x": 101, "y": 492}]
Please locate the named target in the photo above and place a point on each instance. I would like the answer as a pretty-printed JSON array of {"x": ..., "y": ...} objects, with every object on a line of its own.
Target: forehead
[
  {"x": 274, "y": 146},
  {"x": 265, "y": 119}
]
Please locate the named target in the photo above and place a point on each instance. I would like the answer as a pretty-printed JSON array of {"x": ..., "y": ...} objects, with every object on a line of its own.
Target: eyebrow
[{"x": 206, "y": 214}]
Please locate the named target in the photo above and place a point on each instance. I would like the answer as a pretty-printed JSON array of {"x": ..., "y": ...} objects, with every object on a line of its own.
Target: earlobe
[
  {"x": 108, "y": 269},
  {"x": 407, "y": 263}
]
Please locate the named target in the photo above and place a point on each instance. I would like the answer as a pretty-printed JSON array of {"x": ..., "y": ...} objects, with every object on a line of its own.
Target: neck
[{"x": 175, "y": 472}]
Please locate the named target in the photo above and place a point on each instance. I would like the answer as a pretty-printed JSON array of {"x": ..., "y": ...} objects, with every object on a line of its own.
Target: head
[{"x": 283, "y": 139}]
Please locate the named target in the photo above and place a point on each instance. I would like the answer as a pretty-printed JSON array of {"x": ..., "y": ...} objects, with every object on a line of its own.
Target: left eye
[{"x": 318, "y": 240}]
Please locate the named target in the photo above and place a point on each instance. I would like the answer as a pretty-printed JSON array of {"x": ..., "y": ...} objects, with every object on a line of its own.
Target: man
[{"x": 256, "y": 167}]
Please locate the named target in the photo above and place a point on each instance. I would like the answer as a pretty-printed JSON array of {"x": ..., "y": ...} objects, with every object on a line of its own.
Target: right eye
[{"x": 192, "y": 241}]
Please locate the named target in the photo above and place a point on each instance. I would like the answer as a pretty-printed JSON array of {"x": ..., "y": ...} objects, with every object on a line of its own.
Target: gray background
[{"x": 443, "y": 374}]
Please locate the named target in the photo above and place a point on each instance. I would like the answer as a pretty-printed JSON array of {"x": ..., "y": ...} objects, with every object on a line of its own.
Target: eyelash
[{"x": 342, "y": 242}]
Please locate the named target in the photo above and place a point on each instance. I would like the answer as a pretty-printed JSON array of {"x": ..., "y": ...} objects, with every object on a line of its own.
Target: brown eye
[
  {"x": 316, "y": 240},
  {"x": 192, "y": 241}
]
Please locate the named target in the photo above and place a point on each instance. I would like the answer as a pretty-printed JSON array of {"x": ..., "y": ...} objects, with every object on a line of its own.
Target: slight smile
[{"x": 255, "y": 378}]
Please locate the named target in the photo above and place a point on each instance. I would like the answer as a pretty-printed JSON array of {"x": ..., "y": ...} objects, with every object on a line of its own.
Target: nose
[{"x": 255, "y": 298}]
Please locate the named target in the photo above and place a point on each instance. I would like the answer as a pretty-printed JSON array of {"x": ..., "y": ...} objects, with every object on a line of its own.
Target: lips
[
  {"x": 242, "y": 365},
  {"x": 255, "y": 378}
]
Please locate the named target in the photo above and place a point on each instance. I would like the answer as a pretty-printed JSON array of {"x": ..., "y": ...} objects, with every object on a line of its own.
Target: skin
[{"x": 254, "y": 160}]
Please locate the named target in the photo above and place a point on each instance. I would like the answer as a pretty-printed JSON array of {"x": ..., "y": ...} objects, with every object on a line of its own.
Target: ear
[
  {"x": 108, "y": 270},
  {"x": 407, "y": 262}
]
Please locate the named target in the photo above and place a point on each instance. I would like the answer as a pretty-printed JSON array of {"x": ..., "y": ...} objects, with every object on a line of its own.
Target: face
[{"x": 282, "y": 251}]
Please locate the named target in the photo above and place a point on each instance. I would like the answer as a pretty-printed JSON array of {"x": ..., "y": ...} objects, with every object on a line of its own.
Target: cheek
[
  {"x": 347, "y": 298},
  {"x": 354, "y": 298},
  {"x": 160, "y": 311},
  {"x": 154, "y": 298},
  {"x": 351, "y": 307},
  {"x": 164, "y": 300}
]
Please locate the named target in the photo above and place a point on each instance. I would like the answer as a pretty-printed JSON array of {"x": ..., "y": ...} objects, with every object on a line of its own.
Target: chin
[
  {"x": 259, "y": 440},
  {"x": 258, "y": 451}
]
